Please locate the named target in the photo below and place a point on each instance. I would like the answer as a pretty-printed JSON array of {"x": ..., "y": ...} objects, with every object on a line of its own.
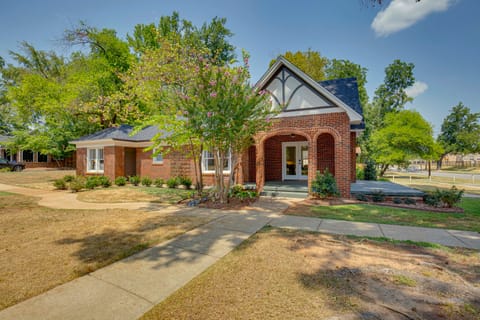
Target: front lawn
[
  {"x": 42, "y": 247},
  {"x": 42, "y": 179},
  {"x": 280, "y": 274},
  {"x": 134, "y": 194},
  {"x": 469, "y": 220}
]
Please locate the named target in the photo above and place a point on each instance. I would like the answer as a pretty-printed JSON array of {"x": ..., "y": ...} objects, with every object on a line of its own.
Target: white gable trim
[{"x": 355, "y": 117}]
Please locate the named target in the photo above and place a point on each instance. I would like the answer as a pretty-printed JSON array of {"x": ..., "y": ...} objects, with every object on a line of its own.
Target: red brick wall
[
  {"x": 326, "y": 153},
  {"x": 250, "y": 158},
  {"x": 353, "y": 145},
  {"x": 81, "y": 161},
  {"x": 273, "y": 155},
  {"x": 109, "y": 161},
  {"x": 336, "y": 124}
]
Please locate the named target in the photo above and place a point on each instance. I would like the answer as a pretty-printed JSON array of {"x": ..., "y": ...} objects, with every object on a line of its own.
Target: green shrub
[
  {"x": 410, "y": 201},
  {"x": 185, "y": 181},
  {"x": 68, "y": 178},
  {"x": 159, "y": 182},
  {"x": 451, "y": 197},
  {"x": 172, "y": 183},
  {"x": 361, "y": 197},
  {"x": 397, "y": 200},
  {"x": 104, "y": 181},
  {"x": 60, "y": 184},
  {"x": 370, "y": 171},
  {"x": 378, "y": 196},
  {"x": 146, "y": 182},
  {"x": 325, "y": 185},
  {"x": 5, "y": 170},
  {"x": 246, "y": 194},
  {"x": 92, "y": 182},
  {"x": 120, "y": 181},
  {"x": 432, "y": 199},
  {"x": 135, "y": 180},
  {"x": 77, "y": 184},
  {"x": 236, "y": 189}
]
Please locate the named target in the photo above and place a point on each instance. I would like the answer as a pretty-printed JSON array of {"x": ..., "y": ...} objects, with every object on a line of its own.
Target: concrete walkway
[{"x": 129, "y": 288}]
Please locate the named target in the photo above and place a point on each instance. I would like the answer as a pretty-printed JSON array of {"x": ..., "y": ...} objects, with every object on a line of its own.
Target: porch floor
[{"x": 386, "y": 187}]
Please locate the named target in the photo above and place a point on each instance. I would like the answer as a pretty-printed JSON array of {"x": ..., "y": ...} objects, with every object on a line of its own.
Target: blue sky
[{"x": 441, "y": 37}]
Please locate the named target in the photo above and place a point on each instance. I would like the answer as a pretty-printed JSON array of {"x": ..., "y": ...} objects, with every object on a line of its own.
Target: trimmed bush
[
  {"x": 325, "y": 185},
  {"x": 378, "y": 196},
  {"x": 146, "y": 181},
  {"x": 172, "y": 183},
  {"x": 68, "y": 178},
  {"x": 77, "y": 184},
  {"x": 135, "y": 180},
  {"x": 397, "y": 200},
  {"x": 60, "y": 184},
  {"x": 120, "y": 181},
  {"x": 104, "y": 181},
  {"x": 432, "y": 199},
  {"x": 361, "y": 197},
  {"x": 92, "y": 182},
  {"x": 450, "y": 197},
  {"x": 159, "y": 182},
  {"x": 185, "y": 181},
  {"x": 410, "y": 201}
]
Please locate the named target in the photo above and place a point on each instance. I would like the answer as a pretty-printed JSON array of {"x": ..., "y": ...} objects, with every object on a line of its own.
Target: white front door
[{"x": 295, "y": 160}]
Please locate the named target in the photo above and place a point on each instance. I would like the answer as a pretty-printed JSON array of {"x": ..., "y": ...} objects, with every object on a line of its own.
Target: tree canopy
[{"x": 460, "y": 131}]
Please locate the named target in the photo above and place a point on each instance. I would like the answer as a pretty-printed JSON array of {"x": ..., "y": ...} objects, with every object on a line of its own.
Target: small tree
[
  {"x": 325, "y": 185},
  {"x": 370, "y": 172}
]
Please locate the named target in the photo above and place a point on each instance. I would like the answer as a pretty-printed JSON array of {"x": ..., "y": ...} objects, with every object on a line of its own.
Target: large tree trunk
[
  {"x": 383, "y": 169},
  {"x": 439, "y": 162}
]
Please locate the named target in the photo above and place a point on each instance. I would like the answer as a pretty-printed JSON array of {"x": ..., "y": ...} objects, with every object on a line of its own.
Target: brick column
[
  {"x": 312, "y": 162},
  {"x": 260, "y": 165}
]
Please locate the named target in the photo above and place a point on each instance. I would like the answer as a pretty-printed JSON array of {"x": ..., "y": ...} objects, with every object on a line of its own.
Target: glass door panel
[
  {"x": 291, "y": 160},
  {"x": 304, "y": 160}
]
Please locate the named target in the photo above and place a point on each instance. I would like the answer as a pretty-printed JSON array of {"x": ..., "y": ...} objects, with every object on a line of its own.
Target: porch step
[{"x": 285, "y": 190}]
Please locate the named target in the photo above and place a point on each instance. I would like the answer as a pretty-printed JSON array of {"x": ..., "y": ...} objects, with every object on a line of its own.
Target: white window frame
[
  {"x": 205, "y": 159},
  {"x": 99, "y": 165},
  {"x": 155, "y": 159}
]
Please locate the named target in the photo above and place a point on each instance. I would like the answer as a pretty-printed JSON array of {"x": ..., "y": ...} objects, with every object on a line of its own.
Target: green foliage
[
  {"x": 378, "y": 196},
  {"x": 325, "y": 185},
  {"x": 146, "y": 182},
  {"x": 397, "y": 200},
  {"x": 5, "y": 170},
  {"x": 359, "y": 173},
  {"x": 185, "y": 181},
  {"x": 361, "y": 197},
  {"x": 370, "y": 172},
  {"x": 77, "y": 184},
  {"x": 68, "y": 178},
  {"x": 410, "y": 201},
  {"x": 406, "y": 136},
  {"x": 92, "y": 182},
  {"x": 104, "y": 181},
  {"x": 159, "y": 182},
  {"x": 173, "y": 182},
  {"x": 460, "y": 131},
  {"x": 120, "y": 181},
  {"x": 311, "y": 62},
  {"x": 443, "y": 198},
  {"x": 135, "y": 180},
  {"x": 60, "y": 184}
]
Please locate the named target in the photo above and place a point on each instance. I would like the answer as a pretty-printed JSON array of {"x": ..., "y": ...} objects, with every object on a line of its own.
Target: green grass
[
  {"x": 468, "y": 220},
  {"x": 167, "y": 194},
  {"x": 402, "y": 242},
  {"x": 404, "y": 280}
]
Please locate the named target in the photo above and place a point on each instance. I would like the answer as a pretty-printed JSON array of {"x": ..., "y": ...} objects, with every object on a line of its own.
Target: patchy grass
[
  {"x": 34, "y": 178},
  {"x": 280, "y": 274},
  {"x": 468, "y": 220},
  {"x": 42, "y": 248},
  {"x": 134, "y": 194}
]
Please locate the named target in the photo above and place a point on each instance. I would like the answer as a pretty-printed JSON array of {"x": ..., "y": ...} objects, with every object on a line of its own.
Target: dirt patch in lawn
[
  {"x": 279, "y": 274},
  {"x": 42, "y": 179},
  {"x": 42, "y": 248}
]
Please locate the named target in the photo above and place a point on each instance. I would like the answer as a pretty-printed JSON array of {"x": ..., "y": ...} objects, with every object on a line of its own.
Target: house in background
[
  {"x": 316, "y": 130},
  {"x": 33, "y": 159}
]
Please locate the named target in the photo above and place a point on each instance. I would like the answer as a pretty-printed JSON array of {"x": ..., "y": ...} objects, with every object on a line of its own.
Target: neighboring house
[
  {"x": 31, "y": 158},
  {"x": 317, "y": 129}
]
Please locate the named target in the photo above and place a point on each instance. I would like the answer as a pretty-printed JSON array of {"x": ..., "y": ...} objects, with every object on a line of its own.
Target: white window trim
[
  {"x": 97, "y": 161},
  {"x": 154, "y": 158},
  {"x": 204, "y": 166}
]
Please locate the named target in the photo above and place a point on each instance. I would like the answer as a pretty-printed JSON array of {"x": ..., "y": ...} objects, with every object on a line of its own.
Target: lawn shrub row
[{"x": 76, "y": 184}]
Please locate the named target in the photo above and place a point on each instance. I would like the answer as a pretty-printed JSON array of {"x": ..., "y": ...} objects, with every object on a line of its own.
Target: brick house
[{"x": 317, "y": 129}]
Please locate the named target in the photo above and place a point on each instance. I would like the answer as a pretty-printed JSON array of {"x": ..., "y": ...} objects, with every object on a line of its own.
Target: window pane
[
  {"x": 92, "y": 155},
  {"x": 100, "y": 159},
  {"x": 210, "y": 165}
]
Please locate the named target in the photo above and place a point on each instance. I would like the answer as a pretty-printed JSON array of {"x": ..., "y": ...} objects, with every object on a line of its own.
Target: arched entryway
[{"x": 326, "y": 153}]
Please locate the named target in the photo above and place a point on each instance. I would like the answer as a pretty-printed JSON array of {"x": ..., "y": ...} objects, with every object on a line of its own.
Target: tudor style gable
[{"x": 297, "y": 94}]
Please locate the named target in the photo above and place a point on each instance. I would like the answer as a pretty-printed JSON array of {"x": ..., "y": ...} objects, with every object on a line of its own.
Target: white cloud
[
  {"x": 401, "y": 14},
  {"x": 417, "y": 89}
]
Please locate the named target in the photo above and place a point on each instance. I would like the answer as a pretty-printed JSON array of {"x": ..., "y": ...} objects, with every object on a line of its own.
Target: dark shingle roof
[
  {"x": 122, "y": 133},
  {"x": 347, "y": 91}
]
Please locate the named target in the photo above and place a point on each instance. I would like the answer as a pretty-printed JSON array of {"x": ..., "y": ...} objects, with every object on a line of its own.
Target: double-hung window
[
  {"x": 95, "y": 160},
  {"x": 208, "y": 162}
]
